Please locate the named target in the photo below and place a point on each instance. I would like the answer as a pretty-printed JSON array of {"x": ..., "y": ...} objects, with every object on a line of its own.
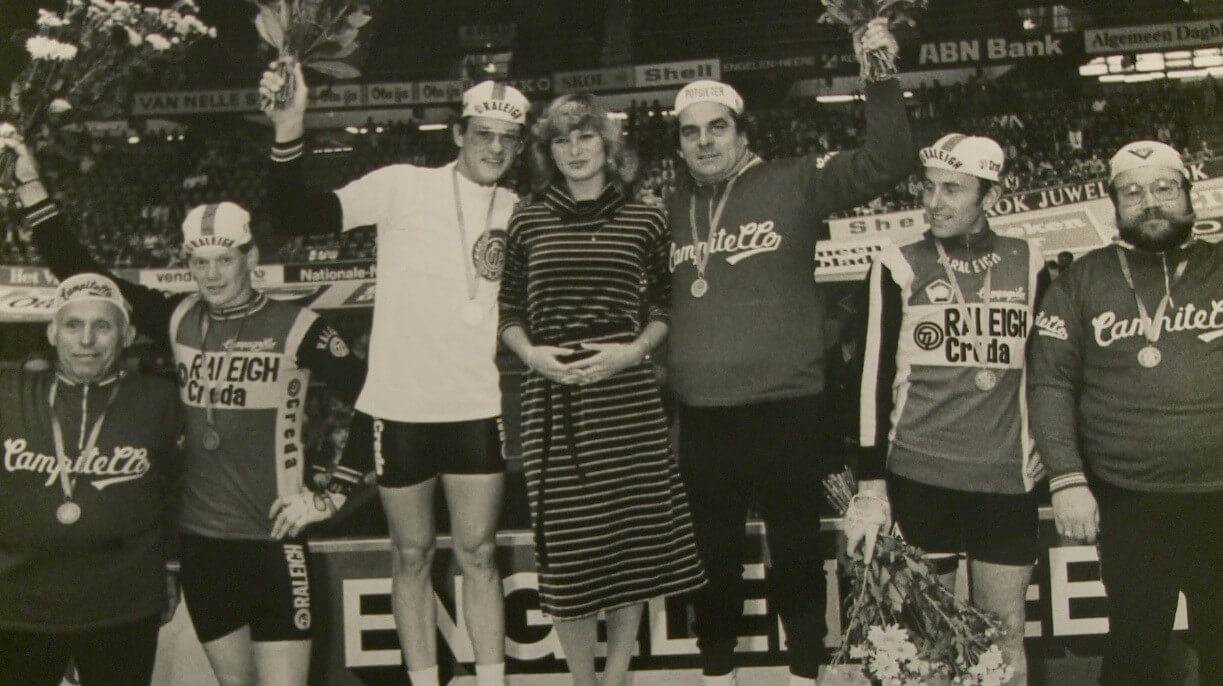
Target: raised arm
[
  {"x": 887, "y": 155},
  {"x": 296, "y": 209},
  {"x": 65, "y": 255}
]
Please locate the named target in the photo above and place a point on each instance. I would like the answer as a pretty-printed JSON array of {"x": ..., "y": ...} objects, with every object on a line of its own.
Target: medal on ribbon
[
  {"x": 1149, "y": 356},
  {"x": 69, "y": 512},
  {"x": 488, "y": 255}
]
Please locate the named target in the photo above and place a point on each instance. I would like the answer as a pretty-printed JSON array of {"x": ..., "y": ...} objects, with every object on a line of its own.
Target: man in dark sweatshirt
[
  {"x": 1125, "y": 387},
  {"x": 747, "y": 349},
  {"x": 89, "y": 464}
]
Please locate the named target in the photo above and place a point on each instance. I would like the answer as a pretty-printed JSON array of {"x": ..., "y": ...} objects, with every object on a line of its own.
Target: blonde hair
[{"x": 567, "y": 113}]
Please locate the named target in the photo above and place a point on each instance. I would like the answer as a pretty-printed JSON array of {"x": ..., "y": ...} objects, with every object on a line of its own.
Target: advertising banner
[
  {"x": 1065, "y": 611},
  {"x": 1180, "y": 34},
  {"x": 675, "y": 73},
  {"x": 614, "y": 78}
]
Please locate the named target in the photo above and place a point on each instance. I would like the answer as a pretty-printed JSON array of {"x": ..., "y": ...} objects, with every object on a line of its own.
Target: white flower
[
  {"x": 858, "y": 651},
  {"x": 133, "y": 38},
  {"x": 991, "y": 659},
  {"x": 43, "y": 48},
  {"x": 885, "y": 668},
  {"x": 64, "y": 51},
  {"x": 7, "y": 130},
  {"x": 158, "y": 42},
  {"x": 59, "y": 106},
  {"x": 49, "y": 20},
  {"x": 212, "y": 32},
  {"x": 889, "y": 639}
]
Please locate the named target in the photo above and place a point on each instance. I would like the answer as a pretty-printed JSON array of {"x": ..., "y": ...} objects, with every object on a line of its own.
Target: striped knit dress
[{"x": 610, "y": 515}]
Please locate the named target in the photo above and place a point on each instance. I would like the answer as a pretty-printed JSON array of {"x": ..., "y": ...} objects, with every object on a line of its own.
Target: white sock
[
  {"x": 727, "y": 679},
  {"x": 424, "y": 677},
  {"x": 796, "y": 680},
  {"x": 490, "y": 675}
]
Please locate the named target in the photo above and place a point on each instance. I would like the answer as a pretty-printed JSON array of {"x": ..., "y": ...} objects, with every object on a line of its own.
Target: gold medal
[
  {"x": 986, "y": 379},
  {"x": 212, "y": 439},
  {"x": 1152, "y": 327},
  {"x": 68, "y": 513},
  {"x": 1149, "y": 356},
  {"x": 700, "y": 287}
]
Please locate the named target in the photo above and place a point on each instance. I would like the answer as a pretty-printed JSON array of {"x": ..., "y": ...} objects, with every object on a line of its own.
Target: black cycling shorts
[
  {"x": 991, "y": 527},
  {"x": 410, "y": 453},
  {"x": 229, "y": 584}
]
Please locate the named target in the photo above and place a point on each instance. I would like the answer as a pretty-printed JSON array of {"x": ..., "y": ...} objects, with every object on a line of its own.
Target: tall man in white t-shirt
[{"x": 432, "y": 387}]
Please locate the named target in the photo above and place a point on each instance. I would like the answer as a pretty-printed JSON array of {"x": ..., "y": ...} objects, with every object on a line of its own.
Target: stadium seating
[{"x": 128, "y": 197}]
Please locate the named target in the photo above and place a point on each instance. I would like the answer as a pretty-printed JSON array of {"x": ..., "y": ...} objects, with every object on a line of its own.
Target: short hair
[{"x": 568, "y": 113}]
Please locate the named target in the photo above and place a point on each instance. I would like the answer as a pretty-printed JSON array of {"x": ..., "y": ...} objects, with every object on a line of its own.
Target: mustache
[{"x": 1152, "y": 213}]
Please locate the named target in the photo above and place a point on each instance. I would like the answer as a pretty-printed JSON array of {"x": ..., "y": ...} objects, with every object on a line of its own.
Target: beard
[{"x": 1156, "y": 230}]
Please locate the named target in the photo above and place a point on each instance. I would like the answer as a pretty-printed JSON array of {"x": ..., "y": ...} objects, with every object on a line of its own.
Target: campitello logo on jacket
[
  {"x": 751, "y": 239},
  {"x": 125, "y": 463},
  {"x": 1109, "y": 328}
]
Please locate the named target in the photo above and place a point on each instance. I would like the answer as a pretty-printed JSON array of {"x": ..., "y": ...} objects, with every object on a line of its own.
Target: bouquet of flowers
[
  {"x": 854, "y": 14},
  {"x": 904, "y": 626},
  {"x": 82, "y": 60},
  {"x": 316, "y": 33}
]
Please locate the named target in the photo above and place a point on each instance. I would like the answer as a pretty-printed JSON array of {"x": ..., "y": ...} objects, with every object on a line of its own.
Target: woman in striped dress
[{"x": 584, "y": 298}]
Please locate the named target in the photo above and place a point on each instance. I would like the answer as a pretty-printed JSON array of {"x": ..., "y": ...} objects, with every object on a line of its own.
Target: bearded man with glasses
[
  {"x": 433, "y": 388},
  {"x": 1125, "y": 384}
]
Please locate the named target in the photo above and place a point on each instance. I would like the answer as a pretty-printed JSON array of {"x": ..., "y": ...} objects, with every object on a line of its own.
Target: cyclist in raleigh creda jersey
[{"x": 243, "y": 363}]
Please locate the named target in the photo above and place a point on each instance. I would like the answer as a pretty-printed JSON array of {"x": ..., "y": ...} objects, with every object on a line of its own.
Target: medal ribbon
[
  {"x": 978, "y": 343},
  {"x": 469, "y": 271},
  {"x": 715, "y": 218},
  {"x": 1151, "y": 326},
  {"x": 205, "y": 326},
  {"x": 57, "y": 433}
]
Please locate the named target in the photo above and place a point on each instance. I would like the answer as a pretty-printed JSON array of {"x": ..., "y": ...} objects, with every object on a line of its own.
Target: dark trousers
[
  {"x": 119, "y": 655},
  {"x": 1153, "y": 545},
  {"x": 768, "y": 456}
]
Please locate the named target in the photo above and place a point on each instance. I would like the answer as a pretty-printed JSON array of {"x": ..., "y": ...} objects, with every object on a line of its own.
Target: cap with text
[
  {"x": 708, "y": 91},
  {"x": 91, "y": 287},
  {"x": 215, "y": 228},
  {"x": 973, "y": 155},
  {"x": 1146, "y": 154},
  {"x": 496, "y": 101}
]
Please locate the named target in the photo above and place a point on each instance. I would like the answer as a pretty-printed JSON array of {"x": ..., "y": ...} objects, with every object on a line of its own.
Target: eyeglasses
[
  {"x": 1163, "y": 190},
  {"x": 486, "y": 137}
]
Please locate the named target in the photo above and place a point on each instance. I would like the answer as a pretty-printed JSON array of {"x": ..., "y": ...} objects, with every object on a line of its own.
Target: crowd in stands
[{"x": 128, "y": 197}]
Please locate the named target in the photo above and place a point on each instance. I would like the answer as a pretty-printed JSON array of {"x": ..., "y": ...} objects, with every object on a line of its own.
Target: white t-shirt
[{"x": 426, "y": 364}]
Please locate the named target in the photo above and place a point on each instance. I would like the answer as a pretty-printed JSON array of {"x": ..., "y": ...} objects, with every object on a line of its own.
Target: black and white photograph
[{"x": 611, "y": 343}]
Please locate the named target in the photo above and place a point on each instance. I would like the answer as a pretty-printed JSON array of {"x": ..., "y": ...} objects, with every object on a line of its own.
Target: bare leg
[
  {"x": 622, "y": 627},
  {"x": 475, "y": 507},
  {"x": 232, "y": 659},
  {"x": 282, "y": 663},
  {"x": 1002, "y": 589},
  {"x": 409, "y": 516},
  {"x": 578, "y": 638}
]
